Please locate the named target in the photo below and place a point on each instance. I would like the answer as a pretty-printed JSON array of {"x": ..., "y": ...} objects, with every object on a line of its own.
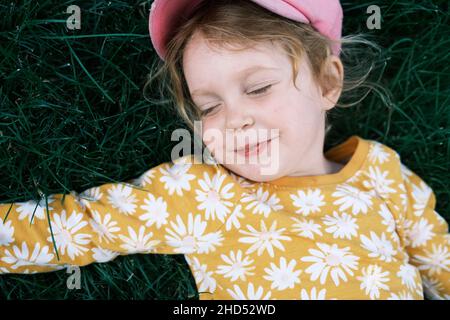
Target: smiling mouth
[
  {"x": 253, "y": 150},
  {"x": 250, "y": 148}
]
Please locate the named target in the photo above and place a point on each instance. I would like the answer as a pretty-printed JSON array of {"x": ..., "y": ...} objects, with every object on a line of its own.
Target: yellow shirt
[{"x": 367, "y": 232}]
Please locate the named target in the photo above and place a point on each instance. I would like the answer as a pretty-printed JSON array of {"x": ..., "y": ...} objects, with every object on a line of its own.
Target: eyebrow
[{"x": 241, "y": 74}]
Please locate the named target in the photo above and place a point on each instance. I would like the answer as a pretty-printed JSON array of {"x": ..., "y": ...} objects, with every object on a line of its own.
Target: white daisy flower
[
  {"x": 441, "y": 220},
  {"x": 404, "y": 295},
  {"x": 103, "y": 255},
  {"x": 432, "y": 288},
  {"x": 27, "y": 271},
  {"x": 377, "y": 153},
  {"x": 350, "y": 197},
  {"x": 66, "y": 233},
  {"x": 192, "y": 238},
  {"x": 261, "y": 203},
  {"x": 435, "y": 261},
  {"x": 144, "y": 179},
  {"x": 213, "y": 197},
  {"x": 80, "y": 201},
  {"x": 175, "y": 178},
  {"x": 138, "y": 242},
  {"x": 408, "y": 274},
  {"x": 354, "y": 178},
  {"x": 313, "y": 295},
  {"x": 420, "y": 293},
  {"x": 20, "y": 257},
  {"x": 373, "y": 280},
  {"x": 86, "y": 197},
  {"x": 203, "y": 277},
  {"x": 92, "y": 194},
  {"x": 421, "y": 194},
  {"x": 251, "y": 294},
  {"x": 121, "y": 197},
  {"x": 308, "y": 202},
  {"x": 34, "y": 209},
  {"x": 283, "y": 276},
  {"x": 378, "y": 247},
  {"x": 105, "y": 228},
  {"x": 236, "y": 267},
  {"x": 420, "y": 233},
  {"x": 379, "y": 183},
  {"x": 306, "y": 228},
  {"x": 155, "y": 211},
  {"x": 403, "y": 195},
  {"x": 333, "y": 260},
  {"x": 405, "y": 224},
  {"x": 4, "y": 270},
  {"x": 6, "y": 233},
  {"x": 264, "y": 239},
  {"x": 406, "y": 173},
  {"x": 341, "y": 226},
  {"x": 388, "y": 218},
  {"x": 234, "y": 217}
]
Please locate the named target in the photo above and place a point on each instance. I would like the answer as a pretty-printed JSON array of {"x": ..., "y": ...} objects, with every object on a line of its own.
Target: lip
[
  {"x": 254, "y": 150},
  {"x": 254, "y": 145}
]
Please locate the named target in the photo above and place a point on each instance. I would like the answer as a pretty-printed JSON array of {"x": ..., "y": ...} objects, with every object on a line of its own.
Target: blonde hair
[{"x": 241, "y": 24}]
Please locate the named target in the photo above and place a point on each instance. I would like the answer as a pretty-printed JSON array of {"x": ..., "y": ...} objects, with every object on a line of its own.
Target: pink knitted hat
[{"x": 324, "y": 15}]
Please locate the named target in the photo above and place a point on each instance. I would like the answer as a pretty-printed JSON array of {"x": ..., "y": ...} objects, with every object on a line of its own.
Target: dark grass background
[{"x": 73, "y": 116}]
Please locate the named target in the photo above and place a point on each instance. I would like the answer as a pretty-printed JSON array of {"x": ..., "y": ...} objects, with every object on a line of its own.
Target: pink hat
[{"x": 324, "y": 15}]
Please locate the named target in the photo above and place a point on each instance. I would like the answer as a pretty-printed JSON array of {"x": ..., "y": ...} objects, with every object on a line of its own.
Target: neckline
[{"x": 355, "y": 147}]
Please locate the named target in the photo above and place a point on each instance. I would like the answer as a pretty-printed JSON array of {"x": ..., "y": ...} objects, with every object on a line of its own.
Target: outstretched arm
[{"x": 103, "y": 222}]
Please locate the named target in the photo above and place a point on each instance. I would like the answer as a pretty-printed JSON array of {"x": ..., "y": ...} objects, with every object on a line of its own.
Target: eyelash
[
  {"x": 255, "y": 93},
  {"x": 262, "y": 90}
]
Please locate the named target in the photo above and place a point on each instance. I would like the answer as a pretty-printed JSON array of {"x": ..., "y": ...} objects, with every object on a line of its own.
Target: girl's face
[{"x": 248, "y": 97}]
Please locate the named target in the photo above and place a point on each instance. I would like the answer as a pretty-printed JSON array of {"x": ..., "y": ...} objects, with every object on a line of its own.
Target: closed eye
[
  {"x": 256, "y": 92},
  {"x": 262, "y": 90},
  {"x": 207, "y": 111}
]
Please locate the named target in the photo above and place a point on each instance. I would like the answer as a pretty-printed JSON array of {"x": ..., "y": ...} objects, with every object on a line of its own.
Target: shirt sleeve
[
  {"x": 425, "y": 235},
  {"x": 154, "y": 213}
]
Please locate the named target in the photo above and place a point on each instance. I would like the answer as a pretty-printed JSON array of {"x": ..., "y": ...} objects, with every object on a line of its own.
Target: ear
[{"x": 335, "y": 75}]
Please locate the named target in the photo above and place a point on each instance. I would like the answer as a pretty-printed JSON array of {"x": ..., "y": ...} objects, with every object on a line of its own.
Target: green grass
[{"x": 73, "y": 116}]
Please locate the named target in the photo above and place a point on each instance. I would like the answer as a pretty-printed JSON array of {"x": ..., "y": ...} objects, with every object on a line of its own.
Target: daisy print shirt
[{"x": 369, "y": 231}]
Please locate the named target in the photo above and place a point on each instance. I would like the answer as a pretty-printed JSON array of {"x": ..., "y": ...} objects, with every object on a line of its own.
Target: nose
[{"x": 239, "y": 119}]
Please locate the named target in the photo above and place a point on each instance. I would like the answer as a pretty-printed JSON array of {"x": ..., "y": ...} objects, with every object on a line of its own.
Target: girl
[{"x": 353, "y": 223}]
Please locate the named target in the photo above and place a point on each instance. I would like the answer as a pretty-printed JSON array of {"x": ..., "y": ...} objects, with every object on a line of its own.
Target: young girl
[{"x": 353, "y": 223}]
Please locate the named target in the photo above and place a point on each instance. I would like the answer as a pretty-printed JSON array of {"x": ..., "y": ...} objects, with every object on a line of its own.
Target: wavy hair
[{"x": 237, "y": 25}]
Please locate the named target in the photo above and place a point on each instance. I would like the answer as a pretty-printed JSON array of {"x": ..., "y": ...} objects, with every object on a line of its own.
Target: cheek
[
  {"x": 300, "y": 117},
  {"x": 211, "y": 134}
]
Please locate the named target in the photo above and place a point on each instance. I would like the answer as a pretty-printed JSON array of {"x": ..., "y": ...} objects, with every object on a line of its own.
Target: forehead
[{"x": 203, "y": 61}]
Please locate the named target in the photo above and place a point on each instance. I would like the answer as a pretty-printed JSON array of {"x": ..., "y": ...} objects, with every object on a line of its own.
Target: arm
[
  {"x": 103, "y": 222},
  {"x": 425, "y": 235}
]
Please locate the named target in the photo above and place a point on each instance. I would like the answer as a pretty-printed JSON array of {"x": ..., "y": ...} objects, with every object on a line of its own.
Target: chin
[
  {"x": 258, "y": 169},
  {"x": 254, "y": 172}
]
